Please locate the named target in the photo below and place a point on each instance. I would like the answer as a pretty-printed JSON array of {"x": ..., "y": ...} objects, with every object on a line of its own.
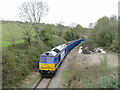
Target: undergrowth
[
  {"x": 97, "y": 76},
  {"x": 18, "y": 61}
]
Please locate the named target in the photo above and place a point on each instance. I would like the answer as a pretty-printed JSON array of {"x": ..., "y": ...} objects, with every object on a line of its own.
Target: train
[{"x": 51, "y": 60}]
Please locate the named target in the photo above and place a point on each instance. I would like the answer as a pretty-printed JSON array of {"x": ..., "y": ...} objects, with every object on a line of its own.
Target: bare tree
[
  {"x": 91, "y": 25},
  {"x": 73, "y": 25},
  {"x": 33, "y": 12}
]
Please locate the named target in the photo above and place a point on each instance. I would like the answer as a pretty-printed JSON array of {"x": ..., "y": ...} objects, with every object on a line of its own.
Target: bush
[
  {"x": 90, "y": 42},
  {"x": 18, "y": 61},
  {"x": 108, "y": 82},
  {"x": 72, "y": 72},
  {"x": 104, "y": 62},
  {"x": 68, "y": 35},
  {"x": 55, "y": 42},
  {"x": 14, "y": 68},
  {"x": 105, "y": 33},
  {"x": 96, "y": 76}
]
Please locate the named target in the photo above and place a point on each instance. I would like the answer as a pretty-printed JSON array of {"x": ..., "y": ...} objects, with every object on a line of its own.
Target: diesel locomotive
[{"x": 50, "y": 60}]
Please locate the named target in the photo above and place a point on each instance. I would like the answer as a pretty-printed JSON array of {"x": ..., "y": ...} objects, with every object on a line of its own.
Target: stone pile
[{"x": 87, "y": 49}]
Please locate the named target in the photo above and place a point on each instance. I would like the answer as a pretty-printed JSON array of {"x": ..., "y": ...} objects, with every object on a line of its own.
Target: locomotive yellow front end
[{"x": 46, "y": 65}]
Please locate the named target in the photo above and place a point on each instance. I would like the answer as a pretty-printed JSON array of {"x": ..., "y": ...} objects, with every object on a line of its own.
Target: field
[{"x": 14, "y": 29}]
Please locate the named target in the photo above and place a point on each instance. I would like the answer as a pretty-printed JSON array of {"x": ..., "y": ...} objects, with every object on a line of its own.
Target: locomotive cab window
[{"x": 49, "y": 59}]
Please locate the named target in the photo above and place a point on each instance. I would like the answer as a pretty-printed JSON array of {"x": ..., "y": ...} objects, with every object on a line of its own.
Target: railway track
[{"x": 43, "y": 83}]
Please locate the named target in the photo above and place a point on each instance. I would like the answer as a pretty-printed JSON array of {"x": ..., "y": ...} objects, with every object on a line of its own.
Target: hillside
[
  {"x": 14, "y": 30},
  {"x": 22, "y": 56},
  {"x": 9, "y": 28}
]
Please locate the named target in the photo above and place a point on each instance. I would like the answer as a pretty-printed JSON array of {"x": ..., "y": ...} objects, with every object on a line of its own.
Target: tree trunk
[
  {"x": 12, "y": 37},
  {"x": 36, "y": 29},
  {"x": 38, "y": 37},
  {"x": 13, "y": 41}
]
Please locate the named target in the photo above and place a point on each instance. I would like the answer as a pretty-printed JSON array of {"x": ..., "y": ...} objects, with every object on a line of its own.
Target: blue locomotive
[{"x": 50, "y": 60}]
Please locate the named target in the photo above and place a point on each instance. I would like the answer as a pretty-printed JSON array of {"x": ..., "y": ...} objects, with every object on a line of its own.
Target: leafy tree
[
  {"x": 46, "y": 33},
  {"x": 78, "y": 31},
  {"x": 68, "y": 35},
  {"x": 105, "y": 32},
  {"x": 59, "y": 29}
]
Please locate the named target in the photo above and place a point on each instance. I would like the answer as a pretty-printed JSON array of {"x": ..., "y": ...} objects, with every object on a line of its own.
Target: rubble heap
[{"x": 87, "y": 49}]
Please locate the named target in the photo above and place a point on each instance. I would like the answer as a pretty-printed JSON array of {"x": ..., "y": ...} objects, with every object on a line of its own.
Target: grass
[
  {"x": 16, "y": 30},
  {"x": 7, "y": 43},
  {"x": 65, "y": 77},
  {"x": 28, "y": 81},
  {"x": 92, "y": 77}
]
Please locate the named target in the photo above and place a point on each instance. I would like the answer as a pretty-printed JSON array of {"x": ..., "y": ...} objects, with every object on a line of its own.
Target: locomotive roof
[
  {"x": 49, "y": 53},
  {"x": 54, "y": 51},
  {"x": 60, "y": 47}
]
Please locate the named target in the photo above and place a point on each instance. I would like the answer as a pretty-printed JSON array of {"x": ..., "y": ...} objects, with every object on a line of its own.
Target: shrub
[
  {"x": 90, "y": 42},
  {"x": 108, "y": 82},
  {"x": 18, "y": 61},
  {"x": 104, "y": 62},
  {"x": 55, "y": 42},
  {"x": 96, "y": 76},
  {"x": 73, "y": 71},
  {"x": 68, "y": 35},
  {"x": 105, "y": 33},
  {"x": 13, "y": 68}
]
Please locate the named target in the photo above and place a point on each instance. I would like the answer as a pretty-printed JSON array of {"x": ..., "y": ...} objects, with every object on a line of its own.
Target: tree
[
  {"x": 91, "y": 25},
  {"x": 46, "y": 33},
  {"x": 33, "y": 12},
  {"x": 68, "y": 35},
  {"x": 73, "y": 25},
  {"x": 27, "y": 33},
  {"x": 78, "y": 31},
  {"x": 105, "y": 32}
]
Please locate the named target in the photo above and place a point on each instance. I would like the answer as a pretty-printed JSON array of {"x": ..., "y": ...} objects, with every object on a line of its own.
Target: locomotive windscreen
[
  {"x": 43, "y": 59},
  {"x": 50, "y": 59},
  {"x": 46, "y": 59}
]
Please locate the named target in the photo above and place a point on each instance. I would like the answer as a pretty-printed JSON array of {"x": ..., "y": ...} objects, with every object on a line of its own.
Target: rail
[{"x": 41, "y": 83}]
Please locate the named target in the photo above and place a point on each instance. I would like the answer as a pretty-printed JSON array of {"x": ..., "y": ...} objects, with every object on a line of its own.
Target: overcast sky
[{"x": 81, "y": 12}]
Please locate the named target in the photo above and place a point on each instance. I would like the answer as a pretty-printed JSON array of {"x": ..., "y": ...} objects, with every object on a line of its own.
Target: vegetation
[
  {"x": 97, "y": 76},
  {"x": 24, "y": 42},
  {"x": 11, "y": 33},
  {"x": 19, "y": 61},
  {"x": 34, "y": 11},
  {"x": 105, "y": 33}
]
